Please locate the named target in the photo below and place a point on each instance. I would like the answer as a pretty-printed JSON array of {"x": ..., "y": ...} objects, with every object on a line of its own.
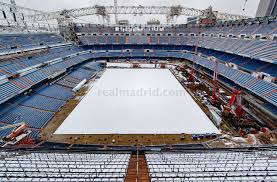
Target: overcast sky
[{"x": 228, "y": 6}]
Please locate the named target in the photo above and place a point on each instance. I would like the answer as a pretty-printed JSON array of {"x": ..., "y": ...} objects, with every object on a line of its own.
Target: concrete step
[{"x": 137, "y": 169}]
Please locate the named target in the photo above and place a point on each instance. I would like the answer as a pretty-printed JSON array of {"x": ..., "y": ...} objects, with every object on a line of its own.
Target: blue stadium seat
[
  {"x": 56, "y": 91},
  {"x": 34, "y": 118},
  {"x": 43, "y": 103}
]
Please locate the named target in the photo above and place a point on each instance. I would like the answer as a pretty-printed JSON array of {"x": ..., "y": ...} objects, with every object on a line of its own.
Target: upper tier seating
[
  {"x": 255, "y": 49},
  {"x": 22, "y": 41},
  {"x": 246, "y": 38},
  {"x": 263, "y": 28},
  {"x": 248, "y": 29}
]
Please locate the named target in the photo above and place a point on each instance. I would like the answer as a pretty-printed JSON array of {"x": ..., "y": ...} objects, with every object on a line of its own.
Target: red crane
[
  {"x": 236, "y": 97},
  {"x": 214, "y": 93},
  {"x": 19, "y": 128}
]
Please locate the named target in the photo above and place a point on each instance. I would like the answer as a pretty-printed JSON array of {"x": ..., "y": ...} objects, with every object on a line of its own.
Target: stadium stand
[
  {"x": 34, "y": 118},
  {"x": 254, "y": 49},
  {"x": 57, "y": 166},
  {"x": 56, "y": 91},
  {"x": 254, "y": 40},
  {"x": 250, "y": 65},
  {"x": 43, "y": 103},
  {"x": 56, "y": 66},
  {"x": 5, "y": 132},
  {"x": 190, "y": 165},
  {"x": 22, "y": 41},
  {"x": 213, "y": 166},
  {"x": 12, "y": 87},
  {"x": 259, "y": 87},
  {"x": 229, "y": 68},
  {"x": 36, "y": 110}
]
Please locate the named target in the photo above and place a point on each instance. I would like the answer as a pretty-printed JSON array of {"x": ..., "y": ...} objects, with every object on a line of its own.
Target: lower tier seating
[
  {"x": 75, "y": 77},
  {"x": 38, "y": 108},
  {"x": 56, "y": 91},
  {"x": 43, "y": 103},
  {"x": 63, "y": 166},
  {"x": 261, "y": 88},
  {"x": 250, "y": 65},
  {"x": 18, "y": 85},
  {"x": 34, "y": 118},
  {"x": 213, "y": 166}
]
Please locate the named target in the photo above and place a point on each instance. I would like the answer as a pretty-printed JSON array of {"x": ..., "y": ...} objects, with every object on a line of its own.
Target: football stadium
[{"x": 155, "y": 92}]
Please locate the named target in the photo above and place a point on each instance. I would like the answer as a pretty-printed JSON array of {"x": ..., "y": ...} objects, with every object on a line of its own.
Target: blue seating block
[{"x": 34, "y": 118}]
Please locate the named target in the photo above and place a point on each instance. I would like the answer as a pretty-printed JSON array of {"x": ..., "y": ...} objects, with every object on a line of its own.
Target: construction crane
[
  {"x": 236, "y": 98},
  {"x": 19, "y": 129},
  {"x": 209, "y": 17},
  {"x": 14, "y": 16},
  {"x": 11, "y": 126},
  {"x": 115, "y": 15},
  {"x": 7, "y": 8},
  {"x": 243, "y": 9},
  {"x": 215, "y": 99},
  {"x": 234, "y": 113}
]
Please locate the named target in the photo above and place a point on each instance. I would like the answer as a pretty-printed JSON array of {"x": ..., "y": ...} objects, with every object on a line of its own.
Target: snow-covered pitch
[{"x": 137, "y": 101}]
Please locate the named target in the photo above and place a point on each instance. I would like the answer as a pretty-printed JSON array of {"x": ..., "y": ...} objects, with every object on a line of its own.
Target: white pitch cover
[{"x": 137, "y": 101}]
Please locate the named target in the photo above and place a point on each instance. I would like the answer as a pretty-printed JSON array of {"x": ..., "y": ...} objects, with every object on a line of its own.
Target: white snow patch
[{"x": 137, "y": 114}]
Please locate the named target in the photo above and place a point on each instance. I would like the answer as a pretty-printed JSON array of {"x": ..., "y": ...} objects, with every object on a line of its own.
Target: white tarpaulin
[{"x": 137, "y": 101}]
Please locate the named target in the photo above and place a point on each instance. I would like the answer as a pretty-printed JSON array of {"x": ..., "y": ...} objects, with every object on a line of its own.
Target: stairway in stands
[{"x": 137, "y": 169}]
